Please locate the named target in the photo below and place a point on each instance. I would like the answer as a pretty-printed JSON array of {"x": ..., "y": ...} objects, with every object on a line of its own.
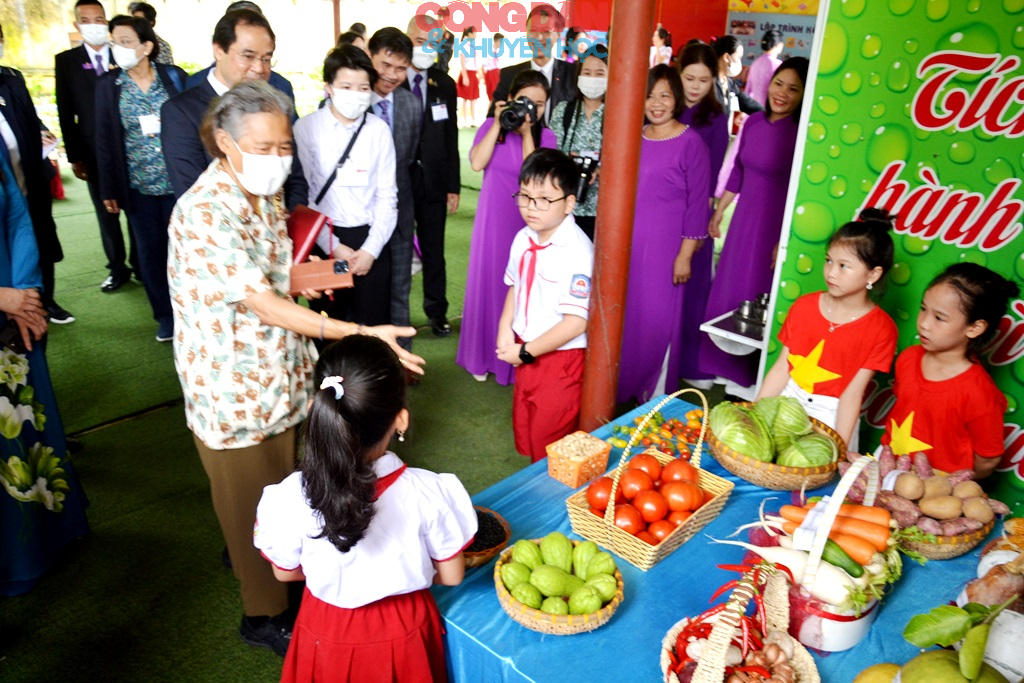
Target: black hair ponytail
[
  {"x": 869, "y": 237},
  {"x": 984, "y": 295},
  {"x": 341, "y": 434}
]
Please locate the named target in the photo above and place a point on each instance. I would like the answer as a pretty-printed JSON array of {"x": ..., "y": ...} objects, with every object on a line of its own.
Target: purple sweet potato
[
  {"x": 961, "y": 476},
  {"x": 886, "y": 462},
  {"x": 843, "y": 467},
  {"x": 904, "y": 511},
  {"x": 922, "y": 466},
  {"x": 929, "y": 525},
  {"x": 998, "y": 506},
  {"x": 852, "y": 456},
  {"x": 904, "y": 463},
  {"x": 960, "y": 525}
]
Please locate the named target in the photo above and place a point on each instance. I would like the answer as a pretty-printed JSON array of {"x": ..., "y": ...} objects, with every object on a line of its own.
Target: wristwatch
[{"x": 525, "y": 355}]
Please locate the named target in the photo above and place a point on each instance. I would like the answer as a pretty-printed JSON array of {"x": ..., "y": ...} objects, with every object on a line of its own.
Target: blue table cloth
[{"x": 484, "y": 644}]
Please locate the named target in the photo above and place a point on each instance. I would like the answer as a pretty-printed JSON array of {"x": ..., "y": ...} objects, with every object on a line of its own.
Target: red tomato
[
  {"x": 652, "y": 505},
  {"x": 648, "y": 537},
  {"x": 679, "y": 470},
  {"x": 707, "y": 496},
  {"x": 661, "y": 529},
  {"x": 628, "y": 519},
  {"x": 682, "y": 495},
  {"x": 678, "y": 517},
  {"x": 647, "y": 463},
  {"x": 599, "y": 513},
  {"x": 633, "y": 482},
  {"x": 598, "y": 492}
]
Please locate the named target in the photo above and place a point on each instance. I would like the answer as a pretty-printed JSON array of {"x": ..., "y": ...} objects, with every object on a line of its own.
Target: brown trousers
[{"x": 237, "y": 477}]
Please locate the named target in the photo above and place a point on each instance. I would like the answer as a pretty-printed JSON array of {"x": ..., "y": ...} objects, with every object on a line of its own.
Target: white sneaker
[{"x": 480, "y": 378}]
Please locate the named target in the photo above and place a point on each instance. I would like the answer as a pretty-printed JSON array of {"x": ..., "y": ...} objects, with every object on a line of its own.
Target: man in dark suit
[
  {"x": 435, "y": 177},
  {"x": 544, "y": 25},
  {"x": 243, "y": 47},
  {"x": 76, "y": 72},
  {"x": 23, "y": 134},
  {"x": 391, "y": 54}
]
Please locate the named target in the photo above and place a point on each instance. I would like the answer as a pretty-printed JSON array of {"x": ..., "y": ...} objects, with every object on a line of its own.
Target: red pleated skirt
[
  {"x": 491, "y": 79},
  {"x": 395, "y": 639},
  {"x": 470, "y": 91}
]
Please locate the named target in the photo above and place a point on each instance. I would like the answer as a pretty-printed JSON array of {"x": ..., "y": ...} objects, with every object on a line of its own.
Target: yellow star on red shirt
[
  {"x": 807, "y": 372},
  {"x": 901, "y": 438}
]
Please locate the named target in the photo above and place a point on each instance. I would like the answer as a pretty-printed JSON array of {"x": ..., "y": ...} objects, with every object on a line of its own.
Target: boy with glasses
[{"x": 542, "y": 331}]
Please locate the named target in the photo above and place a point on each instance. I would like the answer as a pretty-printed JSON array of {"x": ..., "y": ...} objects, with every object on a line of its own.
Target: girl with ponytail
[
  {"x": 833, "y": 342},
  {"x": 366, "y": 533},
  {"x": 946, "y": 403}
]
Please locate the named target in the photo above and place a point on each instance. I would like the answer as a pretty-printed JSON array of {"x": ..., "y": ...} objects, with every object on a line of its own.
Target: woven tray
[
  {"x": 770, "y": 475},
  {"x": 484, "y": 556},
  {"x": 555, "y": 624},
  {"x": 711, "y": 668},
  {"x": 948, "y": 547},
  {"x": 602, "y": 530}
]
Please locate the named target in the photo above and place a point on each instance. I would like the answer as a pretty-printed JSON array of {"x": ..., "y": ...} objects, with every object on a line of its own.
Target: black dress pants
[{"x": 369, "y": 301}]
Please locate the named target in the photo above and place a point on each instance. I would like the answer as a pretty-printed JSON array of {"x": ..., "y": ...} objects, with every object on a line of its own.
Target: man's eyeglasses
[
  {"x": 539, "y": 203},
  {"x": 249, "y": 57}
]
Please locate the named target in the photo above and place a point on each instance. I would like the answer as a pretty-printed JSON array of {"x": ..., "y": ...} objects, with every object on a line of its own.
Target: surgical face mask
[
  {"x": 264, "y": 173},
  {"x": 421, "y": 59},
  {"x": 94, "y": 34},
  {"x": 592, "y": 86},
  {"x": 350, "y": 103},
  {"x": 125, "y": 57},
  {"x": 735, "y": 66}
]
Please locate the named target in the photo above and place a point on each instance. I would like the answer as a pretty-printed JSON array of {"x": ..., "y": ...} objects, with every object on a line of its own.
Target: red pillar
[
  {"x": 632, "y": 23},
  {"x": 337, "y": 22}
]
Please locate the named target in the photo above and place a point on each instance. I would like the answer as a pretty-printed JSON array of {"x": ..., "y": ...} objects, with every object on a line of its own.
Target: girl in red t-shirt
[
  {"x": 835, "y": 341},
  {"x": 946, "y": 404}
]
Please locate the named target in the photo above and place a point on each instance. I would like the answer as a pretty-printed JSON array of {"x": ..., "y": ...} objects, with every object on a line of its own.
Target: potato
[
  {"x": 940, "y": 507},
  {"x": 968, "y": 489},
  {"x": 979, "y": 509},
  {"x": 937, "y": 485},
  {"x": 909, "y": 486}
]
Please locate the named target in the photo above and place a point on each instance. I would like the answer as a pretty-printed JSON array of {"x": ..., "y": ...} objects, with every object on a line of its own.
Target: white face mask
[
  {"x": 735, "y": 67},
  {"x": 94, "y": 34},
  {"x": 592, "y": 86},
  {"x": 264, "y": 173},
  {"x": 125, "y": 57},
  {"x": 421, "y": 59},
  {"x": 350, "y": 103}
]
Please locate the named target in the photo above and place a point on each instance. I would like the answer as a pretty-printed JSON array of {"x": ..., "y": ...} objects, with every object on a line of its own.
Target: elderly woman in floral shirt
[{"x": 242, "y": 345}]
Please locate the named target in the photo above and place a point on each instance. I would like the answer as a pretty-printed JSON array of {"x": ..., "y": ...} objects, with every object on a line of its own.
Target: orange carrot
[
  {"x": 876, "y": 534},
  {"x": 859, "y": 550},
  {"x": 868, "y": 513}
]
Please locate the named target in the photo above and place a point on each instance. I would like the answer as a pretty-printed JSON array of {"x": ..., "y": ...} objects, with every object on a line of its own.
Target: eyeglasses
[
  {"x": 249, "y": 57},
  {"x": 540, "y": 203}
]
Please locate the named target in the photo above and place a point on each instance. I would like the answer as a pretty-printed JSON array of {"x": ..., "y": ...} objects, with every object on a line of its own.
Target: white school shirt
[
  {"x": 421, "y": 517},
  {"x": 364, "y": 193},
  {"x": 561, "y": 283}
]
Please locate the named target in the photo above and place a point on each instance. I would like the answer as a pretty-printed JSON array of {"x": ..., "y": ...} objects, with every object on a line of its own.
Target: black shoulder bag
[{"x": 341, "y": 161}]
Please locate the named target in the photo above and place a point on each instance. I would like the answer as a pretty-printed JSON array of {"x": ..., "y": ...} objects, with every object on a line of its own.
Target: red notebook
[{"x": 304, "y": 226}]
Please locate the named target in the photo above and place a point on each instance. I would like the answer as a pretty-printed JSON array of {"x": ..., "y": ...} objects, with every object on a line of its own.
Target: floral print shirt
[
  {"x": 585, "y": 143},
  {"x": 147, "y": 171},
  {"x": 243, "y": 381}
]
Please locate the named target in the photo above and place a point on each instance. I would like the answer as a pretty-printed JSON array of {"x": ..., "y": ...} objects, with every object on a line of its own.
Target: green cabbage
[
  {"x": 786, "y": 418},
  {"x": 742, "y": 430},
  {"x": 813, "y": 450}
]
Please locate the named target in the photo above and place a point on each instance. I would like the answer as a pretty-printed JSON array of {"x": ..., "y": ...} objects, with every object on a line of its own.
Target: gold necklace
[{"x": 833, "y": 325}]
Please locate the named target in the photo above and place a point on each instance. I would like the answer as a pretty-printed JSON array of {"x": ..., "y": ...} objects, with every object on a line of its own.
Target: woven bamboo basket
[
  {"x": 772, "y": 476},
  {"x": 711, "y": 668},
  {"x": 476, "y": 559},
  {"x": 555, "y": 624},
  {"x": 602, "y": 530},
  {"x": 948, "y": 547}
]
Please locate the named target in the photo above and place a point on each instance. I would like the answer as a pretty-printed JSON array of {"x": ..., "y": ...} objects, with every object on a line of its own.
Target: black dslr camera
[
  {"x": 515, "y": 115},
  {"x": 587, "y": 167}
]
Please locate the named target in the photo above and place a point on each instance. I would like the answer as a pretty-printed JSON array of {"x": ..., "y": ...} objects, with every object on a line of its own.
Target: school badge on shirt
[{"x": 580, "y": 287}]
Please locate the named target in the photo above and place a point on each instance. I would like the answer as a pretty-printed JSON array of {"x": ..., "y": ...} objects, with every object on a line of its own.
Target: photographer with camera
[
  {"x": 578, "y": 126},
  {"x": 500, "y": 146}
]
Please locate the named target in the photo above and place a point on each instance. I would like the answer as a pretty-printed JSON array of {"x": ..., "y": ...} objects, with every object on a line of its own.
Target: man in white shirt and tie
[
  {"x": 76, "y": 72},
  {"x": 391, "y": 54}
]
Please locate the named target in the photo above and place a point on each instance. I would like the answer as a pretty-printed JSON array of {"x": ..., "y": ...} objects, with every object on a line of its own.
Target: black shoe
[
  {"x": 74, "y": 445},
  {"x": 225, "y": 558},
  {"x": 58, "y": 315},
  {"x": 115, "y": 282},
  {"x": 268, "y": 632},
  {"x": 440, "y": 327}
]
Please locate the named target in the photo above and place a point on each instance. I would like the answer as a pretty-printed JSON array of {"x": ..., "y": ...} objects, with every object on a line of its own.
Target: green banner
[{"x": 918, "y": 107}]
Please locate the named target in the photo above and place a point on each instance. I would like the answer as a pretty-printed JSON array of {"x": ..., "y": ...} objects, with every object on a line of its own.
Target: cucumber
[{"x": 835, "y": 555}]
